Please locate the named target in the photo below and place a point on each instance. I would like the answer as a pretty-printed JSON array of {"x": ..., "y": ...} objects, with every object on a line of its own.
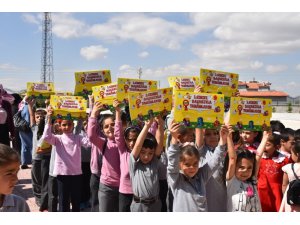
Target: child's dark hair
[
  {"x": 275, "y": 139},
  {"x": 8, "y": 155},
  {"x": 189, "y": 150},
  {"x": 41, "y": 127},
  {"x": 103, "y": 118},
  {"x": 286, "y": 133},
  {"x": 296, "y": 149},
  {"x": 297, "y": 135},
  {"x": 150, "y": 141},
  {"x": 276, "y": 125},
  {"x": 241, "y": 154},
  {"x": 131, "y": 129}
]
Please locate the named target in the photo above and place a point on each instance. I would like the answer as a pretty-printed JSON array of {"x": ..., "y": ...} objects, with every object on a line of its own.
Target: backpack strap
[
  {"x": 294, "y": 172},
  {"x": 104, "y": 146}
]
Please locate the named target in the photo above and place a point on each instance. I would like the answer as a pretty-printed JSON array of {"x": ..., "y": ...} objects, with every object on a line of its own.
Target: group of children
[{"x": 159, "y": 166}]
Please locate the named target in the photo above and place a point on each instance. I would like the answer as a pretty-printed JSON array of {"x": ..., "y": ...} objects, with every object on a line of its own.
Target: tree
[{"x": 290, "y": 108}]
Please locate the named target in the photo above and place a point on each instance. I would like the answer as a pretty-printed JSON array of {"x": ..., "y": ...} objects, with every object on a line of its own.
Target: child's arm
[
  {"x": 79, "y": 126},
  {"x": 140, "y": 140},
  {"x": 119, "y": 133},
  {"x": 231, "y": 155},
  {"x": 93, "y": 125},
  {"x": 31, "y": 103},
  {"x": 173, "y": 154},
  {"x": 47, "y": 135},
  {"x": 199, "y": 134},
  {"x": 91, "y": 103},
  {"x": 260, "y": 149},
  {"x": 285, "y": 182},
  {"x": 159, "y": 135}
]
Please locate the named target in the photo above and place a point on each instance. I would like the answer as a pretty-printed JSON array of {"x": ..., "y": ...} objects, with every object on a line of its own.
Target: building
[{"x": 255, "y": 89}]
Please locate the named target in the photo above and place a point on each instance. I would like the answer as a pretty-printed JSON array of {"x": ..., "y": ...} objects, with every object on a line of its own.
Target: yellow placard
[
  {"x": 199, "y": 110},
  {"x": 250, "y": 113},
  {"x": 40, "y": 92},
  {"x": 142, "y": 105},
  {"x": 63, "y": 93},
  {"x": 219, "y": 82},
  {"x": 105, "y": 94},
  {"x": 184, "y": 83},
  {"x": 87, "y": 79},
  {"x": 126, "y": 85},
  {"x": 68, "y": 107}
]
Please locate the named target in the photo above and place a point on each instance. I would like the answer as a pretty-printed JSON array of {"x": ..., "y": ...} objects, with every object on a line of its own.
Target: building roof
[{"x": 263, "y": 94}]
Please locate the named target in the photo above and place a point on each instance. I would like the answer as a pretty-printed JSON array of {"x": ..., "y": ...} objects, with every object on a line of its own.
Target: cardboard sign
[
  {"x": 86, "y": 80},
  {"x": 250, "y": 113},
  {"x": 126, "y": 85},
  {"x": 142, "y": 105},
  {"x": 63, "y": 93},
  {"x": 199, "y": 110},
  {"x": 105, "y": 94},
  {"x": 219, "y": 82},
  {"x": 184, "y": 83},
  {"x": 40, "y": 92},
  {"x": 68, "y": 107}
]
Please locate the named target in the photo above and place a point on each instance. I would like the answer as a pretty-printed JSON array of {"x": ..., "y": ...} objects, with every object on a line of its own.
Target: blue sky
[{"x": 261, "y": 45}]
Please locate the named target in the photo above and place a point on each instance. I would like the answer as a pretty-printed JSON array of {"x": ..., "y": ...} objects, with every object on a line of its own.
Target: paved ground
[{"x": 24, "y": 189}]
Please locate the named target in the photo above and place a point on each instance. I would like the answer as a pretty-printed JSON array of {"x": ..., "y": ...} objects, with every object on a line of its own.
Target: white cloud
[
  {"x": 256, "y": 65},
  {"x": 124, "y": 67},
  {"x": 298, "y": 67},
  {"x": 93, "y": 52},
  {"x": 144, "y": 54},
  {"x": 31, "y": 18},
  {"x": 275, "y": 68},
  {"x": 292, "y": 84}
]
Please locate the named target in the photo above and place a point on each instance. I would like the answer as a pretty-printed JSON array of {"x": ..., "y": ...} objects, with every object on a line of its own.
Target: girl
[
  {"x": 241, "y": 170},
  {"x": 270, "y": 174},
  {"x": 110, "y": 172},
  {"x": 9, "y": 167},
  {"x": 249, "y": 140},
  {"x": 186, "y": 180},
  {"x": 207, "y": 141},
  {"x": 144, "y": 169},
  {"x": 289, "y": 176},
  {"x": 67, "y": 165}
]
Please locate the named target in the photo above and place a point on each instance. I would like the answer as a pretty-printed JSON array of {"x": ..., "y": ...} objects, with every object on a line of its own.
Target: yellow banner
[
  {"x": 250, "y": 113},
  {"x": 219, "y": 82},
  {"x": 63, "y": 93},
  {"x": 142, "y": 105},
  {"x": 184, "y": 83},
  {"x": 40, "y": 92},
  {"x": 68, "y": 107},
  {"x": 199, "y": 110},
  {"x": 126, "y": 85},
  {"x": 105, "y": 94},
  {"x": 87, "y": 79}
]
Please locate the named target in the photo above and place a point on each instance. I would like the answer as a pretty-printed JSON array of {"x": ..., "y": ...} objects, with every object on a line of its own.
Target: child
[
  {"x": 289, "y": 176},
  {"x": 270, "y": 175},
  {"x": 207, "y": 141},
  {"x": 249, "y": 140},
  {"x": 67, "y": 165},
  {"x": 241, "y": 171},
  {"x": 40, "y": 156},
  {"x": 185, "y": 178},
  {"x": 110, "y": 172},
  {"x": 9, "y": 167},
  {"x": 143, "y": 167},
  {"x": 287, "y": 141}
]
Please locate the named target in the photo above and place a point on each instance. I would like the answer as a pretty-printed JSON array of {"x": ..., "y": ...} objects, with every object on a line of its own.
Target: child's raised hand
[
  {"x": 98, "y": 106},
  {"x": 50, "y": 111},
  {"x": 230, "y": 131},
  {"x": 174, "y": 129},
  {"x": 116, "y": 104},
  {"x": 149, "y": 122},
  {"x": 223, "y": 134},
  {"x": 91, "y": 99},
  {"x": 159, "y": 120},
  {"x": 199, "y": 88},
  {"x": 267, "y": 134},
  {"x": 31, "y": 102}
]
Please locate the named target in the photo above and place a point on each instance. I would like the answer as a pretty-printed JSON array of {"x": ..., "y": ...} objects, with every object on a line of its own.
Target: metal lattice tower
[{"x": 47, "y": 50}]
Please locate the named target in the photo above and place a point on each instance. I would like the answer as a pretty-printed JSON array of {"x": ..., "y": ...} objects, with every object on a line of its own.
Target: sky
[{"x": 260, "y": 45}]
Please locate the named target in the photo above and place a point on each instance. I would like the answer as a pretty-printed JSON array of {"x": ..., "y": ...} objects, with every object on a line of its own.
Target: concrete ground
[{"x": 24, "y": 189}]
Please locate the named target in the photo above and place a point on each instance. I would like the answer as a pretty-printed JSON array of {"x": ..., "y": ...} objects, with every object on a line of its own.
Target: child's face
[
  {"x": 211, "y": 137},
  {"x": 288, "y": 145},
  {"x": 109, "y": 128},
  {"x": 248, "y": 136},
  {"x": 189, "y": 165},
  {"x": 188, "y": 137},
  {"x": 269, "y": 149},
  {"x": 295, "y": 157},
  {"x": 8, "y": 177},
  {"x": 38, "y": 117},
  {"x": 66, "y": 126},
  {"x": 146, "y": 155},
  {"x": 131, "y": 139},
  {"x": 243, "y": 170}
]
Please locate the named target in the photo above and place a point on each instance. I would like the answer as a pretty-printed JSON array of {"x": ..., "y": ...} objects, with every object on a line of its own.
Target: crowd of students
[{"x": 106, "y": 164}]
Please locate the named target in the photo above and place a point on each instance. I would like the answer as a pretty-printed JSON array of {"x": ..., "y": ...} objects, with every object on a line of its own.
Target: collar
[{"x": 277, "y": 157}]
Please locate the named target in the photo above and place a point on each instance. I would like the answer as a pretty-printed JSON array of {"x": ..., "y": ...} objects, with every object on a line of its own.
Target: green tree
[{"x": 290, "y": 108}]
